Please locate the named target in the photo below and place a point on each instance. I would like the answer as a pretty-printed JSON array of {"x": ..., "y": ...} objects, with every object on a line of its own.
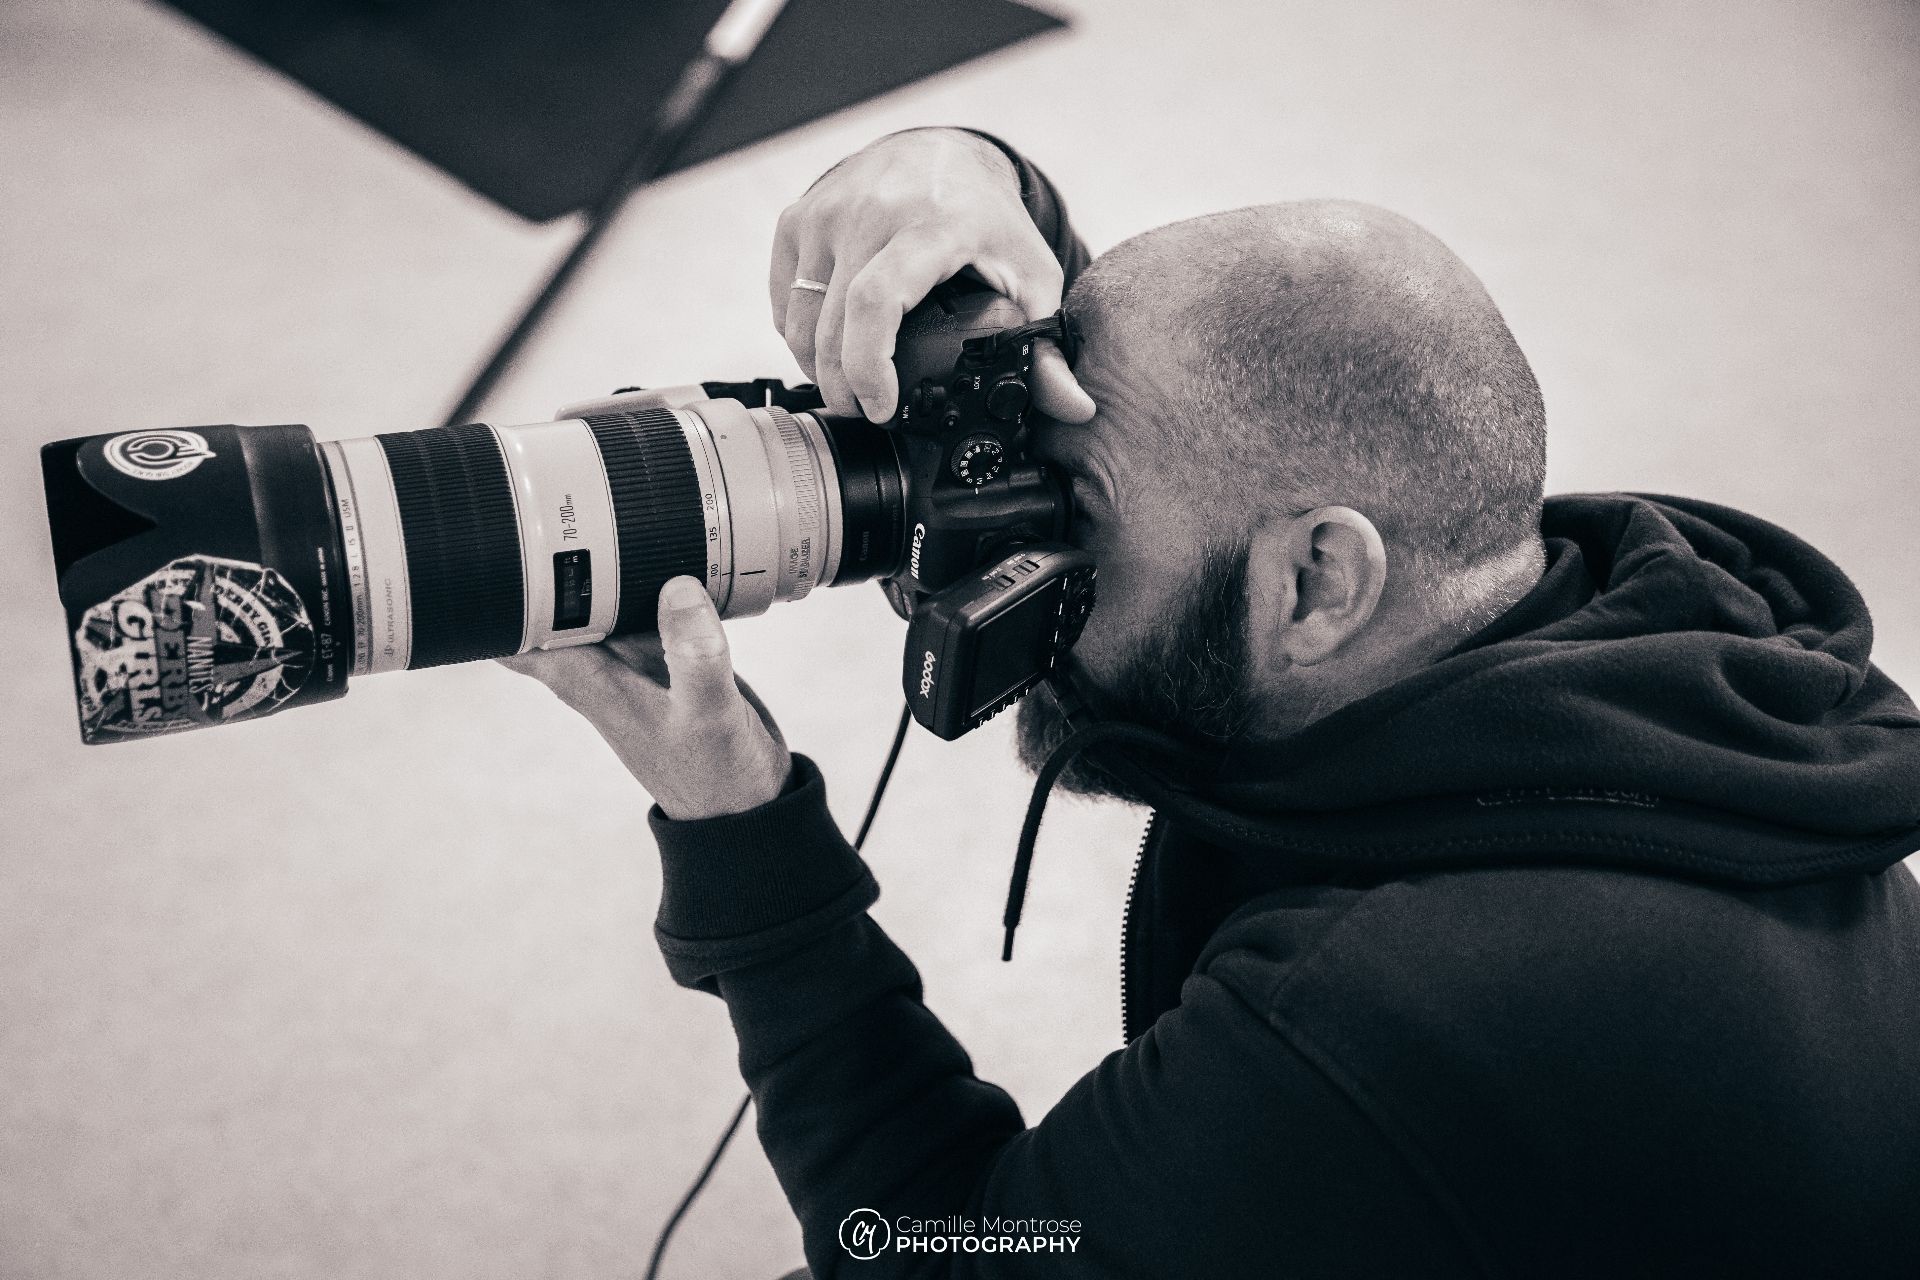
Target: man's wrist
[
  {"x": 737, "y": 874},
  {"x": 746, "y": 794}
]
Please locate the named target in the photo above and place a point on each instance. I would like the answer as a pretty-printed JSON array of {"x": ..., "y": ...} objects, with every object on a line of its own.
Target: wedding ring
[{"x": 804, "y": 283}]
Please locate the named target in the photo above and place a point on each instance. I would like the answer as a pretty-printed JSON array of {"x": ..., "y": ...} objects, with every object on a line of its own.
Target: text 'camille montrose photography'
[{"x": 865, "y": 1234}]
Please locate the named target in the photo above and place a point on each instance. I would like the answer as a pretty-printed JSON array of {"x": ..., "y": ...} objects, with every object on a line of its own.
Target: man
[{"x": 1525, "y": 898}]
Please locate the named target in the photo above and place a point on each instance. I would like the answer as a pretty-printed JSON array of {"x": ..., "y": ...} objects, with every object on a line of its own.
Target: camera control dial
[
  {"x": 978, "y": 459},
  {"x": 1007, "y": 399}
]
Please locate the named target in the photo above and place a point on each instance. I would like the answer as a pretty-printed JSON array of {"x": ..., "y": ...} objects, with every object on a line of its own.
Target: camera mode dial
[{"x": 978, "y": 459}]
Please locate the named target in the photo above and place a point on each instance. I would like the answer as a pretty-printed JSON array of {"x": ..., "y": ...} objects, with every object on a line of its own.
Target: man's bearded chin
[{"x": 1188, "y": 681}]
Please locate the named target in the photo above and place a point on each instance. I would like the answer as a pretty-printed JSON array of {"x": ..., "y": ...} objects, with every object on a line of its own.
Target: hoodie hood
[{"x": 1687, "y": 688}]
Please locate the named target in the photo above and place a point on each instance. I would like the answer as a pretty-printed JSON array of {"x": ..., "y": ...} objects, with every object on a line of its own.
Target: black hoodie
[{"x": 1585, "y": 951}]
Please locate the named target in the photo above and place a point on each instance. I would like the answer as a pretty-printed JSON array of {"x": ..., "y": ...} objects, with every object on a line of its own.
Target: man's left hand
[{"x": 669, "y": 705}]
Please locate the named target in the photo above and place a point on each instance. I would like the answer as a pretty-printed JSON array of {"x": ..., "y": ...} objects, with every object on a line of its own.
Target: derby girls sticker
[
  {"x": 157, "y": 455},
  {"x": 201, "y": 641}
]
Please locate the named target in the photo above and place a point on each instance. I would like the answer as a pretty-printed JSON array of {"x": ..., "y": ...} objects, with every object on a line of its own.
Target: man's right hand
[{"x": 880, "y": 230}]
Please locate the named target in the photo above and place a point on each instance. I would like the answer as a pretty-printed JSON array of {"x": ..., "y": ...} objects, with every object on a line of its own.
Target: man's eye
[
  {"x": 1077, "y": 486},
  {"x": 1081, "y": 514}
]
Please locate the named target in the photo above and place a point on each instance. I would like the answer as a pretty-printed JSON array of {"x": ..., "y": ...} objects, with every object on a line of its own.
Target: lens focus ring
[{"x": 656, "y": 507}]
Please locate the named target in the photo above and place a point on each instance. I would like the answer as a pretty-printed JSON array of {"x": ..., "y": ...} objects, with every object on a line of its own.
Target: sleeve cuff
[{"x": 739, "y": 878}]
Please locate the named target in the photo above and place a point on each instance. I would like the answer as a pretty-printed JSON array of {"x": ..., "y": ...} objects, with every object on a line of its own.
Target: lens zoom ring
[
  {"x": 463, "y": 543},
  {"x": 656, "y": 507}
]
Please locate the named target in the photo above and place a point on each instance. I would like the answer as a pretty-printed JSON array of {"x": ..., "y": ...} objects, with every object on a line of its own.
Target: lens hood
[{"x": 202, "y": 575}]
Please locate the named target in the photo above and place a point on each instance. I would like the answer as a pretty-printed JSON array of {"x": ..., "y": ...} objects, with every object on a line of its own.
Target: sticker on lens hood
[
  {"x": 199, "y": 642},
  {"x": 157, "y": 455}
]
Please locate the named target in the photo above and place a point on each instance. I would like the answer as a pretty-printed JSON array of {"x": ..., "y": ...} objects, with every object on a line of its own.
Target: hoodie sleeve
[{"x": 1207, "y": 1147}]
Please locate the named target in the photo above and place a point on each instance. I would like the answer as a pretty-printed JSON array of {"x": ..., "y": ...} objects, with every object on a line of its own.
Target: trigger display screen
[{"x": 1013, "y": 648}]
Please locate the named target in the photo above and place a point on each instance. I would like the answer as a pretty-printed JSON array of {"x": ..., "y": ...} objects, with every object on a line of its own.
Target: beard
[{"x": 1187, "y": 680}]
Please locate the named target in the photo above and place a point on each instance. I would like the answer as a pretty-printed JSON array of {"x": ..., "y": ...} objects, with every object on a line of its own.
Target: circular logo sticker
[
  {"x": 864, "y": 1234},
  {"x": 198, "y": 642},
  {"x": 157, "y": 455}
]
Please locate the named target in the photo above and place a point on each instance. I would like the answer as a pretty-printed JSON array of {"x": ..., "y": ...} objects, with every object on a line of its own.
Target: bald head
[{"x": 1326, "y": 352}]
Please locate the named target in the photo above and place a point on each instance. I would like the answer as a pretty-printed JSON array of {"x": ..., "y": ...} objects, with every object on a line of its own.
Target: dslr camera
[{"x": 221, "y": 573}]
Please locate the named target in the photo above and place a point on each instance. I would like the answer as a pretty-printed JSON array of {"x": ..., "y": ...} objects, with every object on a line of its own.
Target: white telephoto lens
[{"x": 478, "y": 541}]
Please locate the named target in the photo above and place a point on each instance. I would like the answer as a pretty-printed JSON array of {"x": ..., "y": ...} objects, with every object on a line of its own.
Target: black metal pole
[{"x": 728, "y": 45}]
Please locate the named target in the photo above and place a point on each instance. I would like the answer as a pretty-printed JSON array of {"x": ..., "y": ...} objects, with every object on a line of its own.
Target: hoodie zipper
[{"x": 1127, "y": 928}]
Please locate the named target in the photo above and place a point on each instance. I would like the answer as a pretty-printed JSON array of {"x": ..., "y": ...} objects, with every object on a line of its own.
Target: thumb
[
  {"x": 1056, "y": 392},
  {"x": 699, "y": 666}
]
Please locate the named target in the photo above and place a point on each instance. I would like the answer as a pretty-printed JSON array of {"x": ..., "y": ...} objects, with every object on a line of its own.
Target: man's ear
[{"x": 1317, "y": 578}]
